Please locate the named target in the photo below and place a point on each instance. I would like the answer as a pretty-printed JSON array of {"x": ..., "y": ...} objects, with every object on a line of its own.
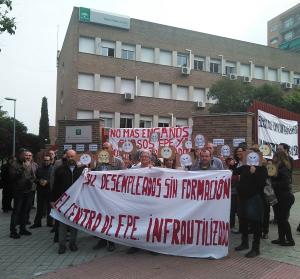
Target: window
[
  {"x": 87, "y": 45},
  {"x": 127, "y": 86},
  {"x": 107, "y": 51},
  {"x": 297, "y": 81},
  {"x": 288, "y": 36},
  {"x": 199, "y": 95},
  {"x": 147, "y": 55},
  {"x": 288, "y": 22},
  {"x": 245, "y": 70},
  {"x": 285, "y": 76},
  {"x": 272, "y": 74},
  {"x": 198, "y": 63},
  {"x": 215, "y": 66},
  {"x": 108, "y": 119},
  {"x": 165, "y": 57},
  {"x": 273, "y": 28},
  {"x": 182, "y": 93},
  {"x": 108, "y": 48},
  {"x": 145, "y": 122},
  {"x": 182, "y": 60},
  {"x": 165, "y": 91},
  {"x": 107, "y": 84},
  {"x": 84, "y": 114},
  {"x": 259, "y": 72},
  {"x": 126, "y": 121},
  {"x": 86, "y": 81},
  {"x": 229, "y": 70},
  {"x": 127, "y": 54},
  {"x": 164, "y": 122},
  {"x": 147, "y": 89},
  {"x": 181, "y": 122}
]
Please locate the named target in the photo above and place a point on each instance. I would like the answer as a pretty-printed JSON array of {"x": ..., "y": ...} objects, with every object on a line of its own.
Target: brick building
[
  {"x": 284, "y": 30},
  {"x": 134, "y": 73}
]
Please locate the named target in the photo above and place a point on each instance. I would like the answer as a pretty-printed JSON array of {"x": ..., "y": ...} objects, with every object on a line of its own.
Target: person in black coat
[
  {"x": 64, "y": 177},
  {"x": 6, "y": 185},
  {"x": 282, "y": 188},
  {"x": 43, "y": 192},
  {"x": 250, "y": 208},
  {"x": 23, "y": 178}
]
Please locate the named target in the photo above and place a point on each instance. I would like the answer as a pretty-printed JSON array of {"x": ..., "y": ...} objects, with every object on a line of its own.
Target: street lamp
[{"x": 14, "y": 135}]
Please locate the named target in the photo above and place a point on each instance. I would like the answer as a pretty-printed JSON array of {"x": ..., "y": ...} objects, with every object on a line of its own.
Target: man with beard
[
  {"x": 64, "y": 177},
  {"x": 22, "y": 176}
]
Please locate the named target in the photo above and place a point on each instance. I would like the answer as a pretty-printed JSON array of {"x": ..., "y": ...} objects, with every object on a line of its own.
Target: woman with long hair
[{"x": 282, "y": 188}]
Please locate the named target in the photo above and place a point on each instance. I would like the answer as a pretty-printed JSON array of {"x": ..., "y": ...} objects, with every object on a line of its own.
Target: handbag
[{"x": 269, "y": 193}]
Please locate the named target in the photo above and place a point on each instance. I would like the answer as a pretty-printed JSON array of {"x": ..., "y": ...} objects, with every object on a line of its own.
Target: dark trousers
[
  {"x": 266, "y": 218},
  {"x": 233, "y": 210},
  {"x": 282, "y": 213},
  {"x": 7, "y": 197},
  {"x": 43, "y": 201},
  {"x": 255, "y": 226},
  {"x": 32, "y": 195},
  {"x": 22, "y": 201}
]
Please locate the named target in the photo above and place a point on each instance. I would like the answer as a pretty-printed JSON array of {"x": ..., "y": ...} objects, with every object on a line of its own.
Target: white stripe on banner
[
  {"x": 162, "y": 210},
  {"x": 273, "y": 130}
]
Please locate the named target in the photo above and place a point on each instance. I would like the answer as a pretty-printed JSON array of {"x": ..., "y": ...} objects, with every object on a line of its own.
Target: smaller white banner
[
  {"x": 273, "y": 130},
  {"x": 93, "y": 147},
  {"x": 79, "y": 147},
  {"x": 218, "y": 142},
  {"x": 237, "y": 141}
]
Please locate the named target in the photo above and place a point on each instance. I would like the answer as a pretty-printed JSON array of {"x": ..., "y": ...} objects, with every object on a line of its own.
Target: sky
[{"x": 28, "y": 58}]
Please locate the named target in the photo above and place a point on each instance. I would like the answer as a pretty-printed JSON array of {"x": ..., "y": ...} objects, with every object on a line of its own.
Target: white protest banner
[
  {"x": 152, "y": 138},
  {"x": 162, "y": 210},
  {"x": 273, "y": 130}
]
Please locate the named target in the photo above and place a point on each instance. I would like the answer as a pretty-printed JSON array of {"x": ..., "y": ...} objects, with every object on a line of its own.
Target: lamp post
[{"x": 14, "y": 131}]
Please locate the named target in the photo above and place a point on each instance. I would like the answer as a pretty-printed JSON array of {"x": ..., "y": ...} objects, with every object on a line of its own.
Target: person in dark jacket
[
  {"x": 22, "y": 178},
  {"x": 250, "y": 208},
  {"x": 64, "y": 177},
  {"x": 281, "y": 184},
  {"x": 43, "y": 192},
  {"x": 7, "y": 187}
]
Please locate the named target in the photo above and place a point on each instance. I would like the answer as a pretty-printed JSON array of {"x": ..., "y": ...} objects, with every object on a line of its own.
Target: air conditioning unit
[
  {"x": 287, "y": 85},
  {"x": 232, "y": 76},
  {"x": 128, "y": 96},
  {"x": 200, "y": 104},
  {"x": 185, "y": 71},
  {"x": 246, "y": 79}
]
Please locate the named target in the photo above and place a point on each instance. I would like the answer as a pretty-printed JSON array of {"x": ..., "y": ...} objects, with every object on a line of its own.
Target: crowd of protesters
[{"x": 22, "y": 179}]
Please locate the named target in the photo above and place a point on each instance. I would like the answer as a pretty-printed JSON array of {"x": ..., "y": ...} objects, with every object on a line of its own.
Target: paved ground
[{"x": 36, "y": 257}]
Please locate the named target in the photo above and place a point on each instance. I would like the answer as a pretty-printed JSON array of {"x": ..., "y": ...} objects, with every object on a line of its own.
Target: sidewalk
[{"x": 36, "y": 257}]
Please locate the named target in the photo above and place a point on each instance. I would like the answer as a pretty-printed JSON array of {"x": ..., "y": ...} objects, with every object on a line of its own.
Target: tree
[
  {"x": 271, "y": 94},
  {"x": 292, "y": 101},
  {"x": 230, "y": 96},
  {"x": 7, "y": 24},
  {"x": 6, "y": 134},
  {"x": 23, "y": 139},
  {"x": 236, "y": 96},
  {"x": 44, "y": 121}
]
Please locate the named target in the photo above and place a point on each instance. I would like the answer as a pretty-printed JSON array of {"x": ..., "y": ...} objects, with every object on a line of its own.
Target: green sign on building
[{"x": 84, "y": 14}]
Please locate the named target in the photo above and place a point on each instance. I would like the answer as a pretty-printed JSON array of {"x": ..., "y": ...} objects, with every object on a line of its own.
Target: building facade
[
  {"x": 134, "y": 73},
  {"x": 284, "y": 30}
]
